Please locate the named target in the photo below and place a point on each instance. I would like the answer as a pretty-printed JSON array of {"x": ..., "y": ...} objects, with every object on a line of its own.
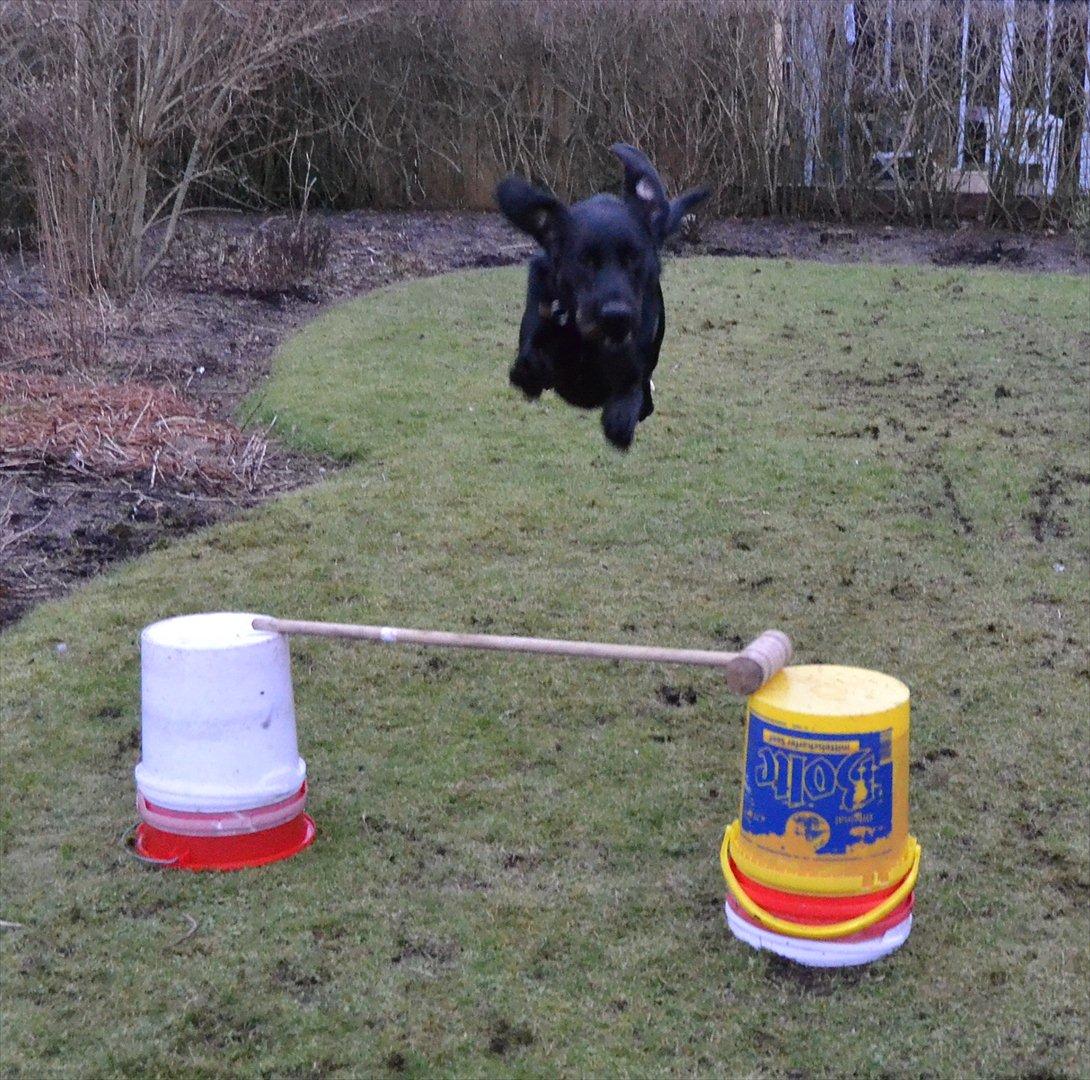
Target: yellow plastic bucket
[{"x": 825, "y": 798}]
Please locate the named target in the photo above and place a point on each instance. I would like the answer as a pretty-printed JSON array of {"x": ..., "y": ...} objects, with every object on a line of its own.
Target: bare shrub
[
  {"x": 787, "y": 106},
  {"x": 1080, "y": 225},
  {"x": 16, "y": 197},
  {"x": 283, "y": 257},
  {"x": 103, "y": 88},
  {"x": 67, "y": 332}
]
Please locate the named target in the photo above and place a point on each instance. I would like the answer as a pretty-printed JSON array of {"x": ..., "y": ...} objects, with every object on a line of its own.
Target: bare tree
[{"x": 101, "y": 87}]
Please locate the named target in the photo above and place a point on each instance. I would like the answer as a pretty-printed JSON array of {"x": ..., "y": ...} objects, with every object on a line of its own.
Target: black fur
[{"x": 594, "y": 318}]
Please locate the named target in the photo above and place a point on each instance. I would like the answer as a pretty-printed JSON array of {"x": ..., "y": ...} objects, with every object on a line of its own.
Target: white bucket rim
[
  {"x": 226, "y": 823},
  {"x": 207, "y": 630},
  {"x": 826, "y": 954},
  {"x": 189, "y": 796}
]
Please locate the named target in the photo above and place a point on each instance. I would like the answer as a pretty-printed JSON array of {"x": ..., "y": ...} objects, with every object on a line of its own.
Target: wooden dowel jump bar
[{"x": 746, "y": 671}]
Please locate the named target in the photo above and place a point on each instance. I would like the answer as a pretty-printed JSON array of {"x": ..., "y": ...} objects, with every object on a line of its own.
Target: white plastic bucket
[{"x": 217, "y": 715}]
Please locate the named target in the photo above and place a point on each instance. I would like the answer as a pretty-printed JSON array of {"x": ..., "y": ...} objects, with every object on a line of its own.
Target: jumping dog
[{"x": 594, "y": 318}]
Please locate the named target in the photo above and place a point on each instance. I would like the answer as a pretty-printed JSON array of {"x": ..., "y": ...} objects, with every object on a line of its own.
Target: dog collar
[{"x": 555, "y": 312}]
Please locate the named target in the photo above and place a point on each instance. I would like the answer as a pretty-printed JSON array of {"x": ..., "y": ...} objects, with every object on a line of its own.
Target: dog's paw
[
  {"x": 523, "y": 376},
  {"x": 620, "y": 416},
  {"x": 619, "y": 430}
]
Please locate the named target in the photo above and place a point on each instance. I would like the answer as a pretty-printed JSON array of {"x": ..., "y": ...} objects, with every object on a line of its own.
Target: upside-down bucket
[
  {"x": 220, "y": 784},
  {"x": 820, "y": 867}
]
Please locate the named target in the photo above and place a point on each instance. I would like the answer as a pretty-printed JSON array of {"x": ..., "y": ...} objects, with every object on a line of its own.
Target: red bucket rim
[
  {"x": 894, "y": 918},
  {"x": 808, "y": 907},
  {"x": 239, "y": 851}
]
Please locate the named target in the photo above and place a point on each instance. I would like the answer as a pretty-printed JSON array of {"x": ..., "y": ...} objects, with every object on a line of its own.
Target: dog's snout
[{"x": 615, "y": 320}]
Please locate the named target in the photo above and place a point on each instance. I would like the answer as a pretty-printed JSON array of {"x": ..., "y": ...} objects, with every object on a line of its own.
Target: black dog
[{"x": 594, "y": 318}]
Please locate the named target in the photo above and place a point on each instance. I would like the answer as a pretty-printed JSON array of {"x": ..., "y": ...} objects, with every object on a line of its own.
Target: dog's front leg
[
  {"x": 621, "y": 414},
  {"x": 648, "y": 406},
  {"x": 656, "y": 317},
  {"x": 532, "y": 370}
]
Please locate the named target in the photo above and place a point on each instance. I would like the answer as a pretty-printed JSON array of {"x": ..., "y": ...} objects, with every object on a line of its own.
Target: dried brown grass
[{"x": 127, "y": 429}]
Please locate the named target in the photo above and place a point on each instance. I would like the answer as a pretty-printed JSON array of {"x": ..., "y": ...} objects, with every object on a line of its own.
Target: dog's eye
[
  {"x": 626, "y": 255},
  {"x": 592, "y": 259}
]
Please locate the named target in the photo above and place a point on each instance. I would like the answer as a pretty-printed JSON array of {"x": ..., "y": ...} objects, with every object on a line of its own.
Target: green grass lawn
[{"x": 516, "y": 870}]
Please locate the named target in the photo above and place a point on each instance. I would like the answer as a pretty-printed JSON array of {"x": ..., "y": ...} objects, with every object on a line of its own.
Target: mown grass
[{"x": 516, "y": 869}]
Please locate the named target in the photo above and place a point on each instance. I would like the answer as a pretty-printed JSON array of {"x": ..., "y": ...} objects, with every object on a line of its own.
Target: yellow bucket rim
[
  {"x": 827, "y": 932},
  {"x": 844, "y": 884}
]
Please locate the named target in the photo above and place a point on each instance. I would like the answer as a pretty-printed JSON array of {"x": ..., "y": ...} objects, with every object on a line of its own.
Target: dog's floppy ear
[
  {"x": 644, "y": 190},
  {"x": 531, "y": 209},
  {"x": 681, "y": 206}
]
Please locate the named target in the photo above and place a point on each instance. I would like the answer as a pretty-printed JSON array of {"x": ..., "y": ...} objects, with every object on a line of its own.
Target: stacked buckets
[
  {"x": 220, "y": 784},
  {"x": 821, "y": 867}
]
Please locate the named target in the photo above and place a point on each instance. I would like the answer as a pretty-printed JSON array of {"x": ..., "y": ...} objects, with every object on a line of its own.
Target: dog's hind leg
[{"x": 532, "y": 371}]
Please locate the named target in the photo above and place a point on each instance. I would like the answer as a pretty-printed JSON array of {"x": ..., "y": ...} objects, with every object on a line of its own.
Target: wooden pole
[{"x": 746, "y": 671}]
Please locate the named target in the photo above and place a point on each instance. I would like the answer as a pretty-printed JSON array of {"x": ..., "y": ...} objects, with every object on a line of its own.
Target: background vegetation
[{"x": 116, "y": 115}]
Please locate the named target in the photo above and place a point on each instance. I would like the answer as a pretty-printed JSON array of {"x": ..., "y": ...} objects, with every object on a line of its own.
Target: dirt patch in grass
[
  {"x": 61, "y": 526},
  {"x": 96, "y": 472},
  {"x": 1044, "y": 514},
  {"x": 198, "y": 343},
  {"x": 506, "y": 1037},
  {"x": 677, "y": 696}
]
